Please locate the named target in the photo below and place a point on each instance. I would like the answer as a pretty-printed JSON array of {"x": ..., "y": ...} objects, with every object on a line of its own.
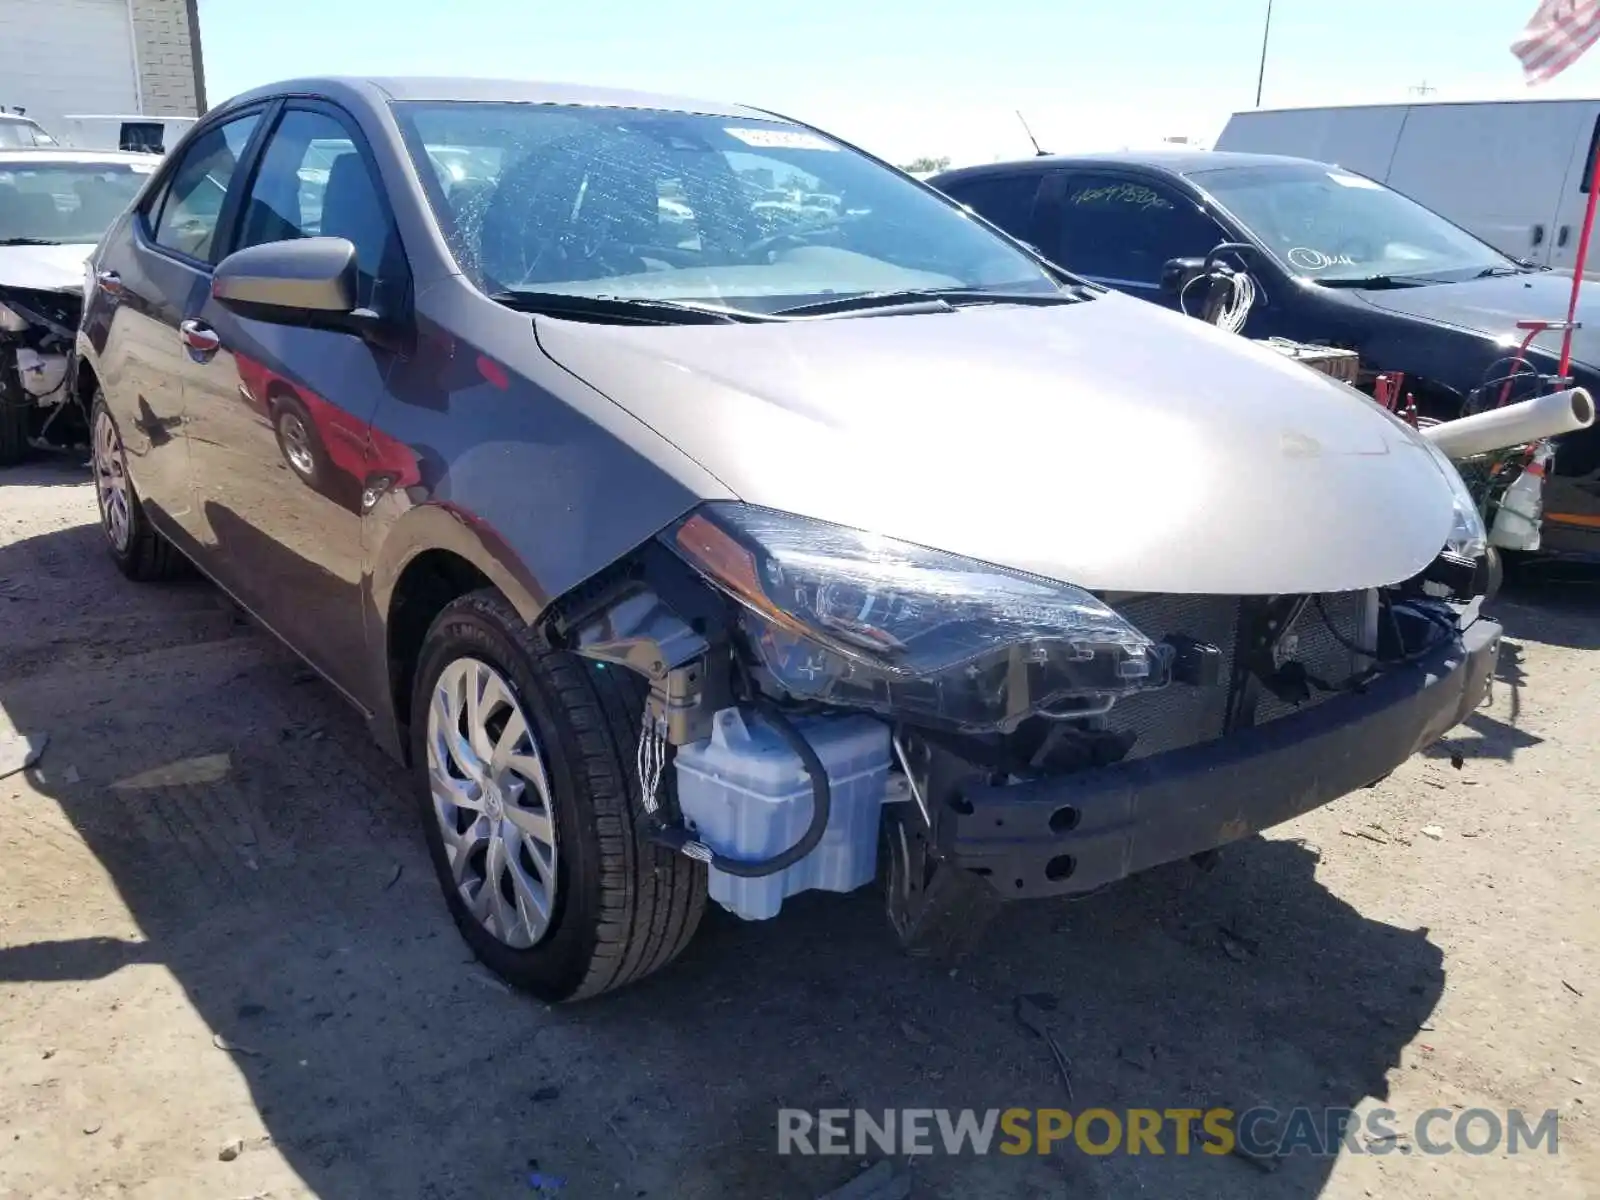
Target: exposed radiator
[{"x": 1180, "y": 715}]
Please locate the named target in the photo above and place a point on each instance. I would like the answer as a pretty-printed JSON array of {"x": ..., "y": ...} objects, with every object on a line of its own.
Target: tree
[{"x": 926, "y": 165}]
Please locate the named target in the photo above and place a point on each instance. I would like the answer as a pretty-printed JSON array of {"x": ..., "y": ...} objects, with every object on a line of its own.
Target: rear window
[{"x": 23, "y": 135}]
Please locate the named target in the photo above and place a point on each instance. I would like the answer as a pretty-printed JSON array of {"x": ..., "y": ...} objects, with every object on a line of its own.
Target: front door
[
  {"x": 1120, "y": 230},
  {"x": 279, "y": 419},
  {"x": 148, "y": 282}
]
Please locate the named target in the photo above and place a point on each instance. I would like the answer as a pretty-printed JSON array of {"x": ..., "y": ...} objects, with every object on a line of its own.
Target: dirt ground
[{"x": 225, "y": 970}]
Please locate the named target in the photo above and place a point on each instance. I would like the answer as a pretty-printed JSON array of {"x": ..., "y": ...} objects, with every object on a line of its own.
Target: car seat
[{"x": 351, "y": 210}]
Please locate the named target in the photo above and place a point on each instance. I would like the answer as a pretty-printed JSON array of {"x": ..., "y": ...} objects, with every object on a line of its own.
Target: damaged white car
[{"x": 54, "y": 205}]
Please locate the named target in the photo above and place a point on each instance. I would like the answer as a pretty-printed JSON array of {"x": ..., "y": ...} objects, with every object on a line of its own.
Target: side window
[
  {"x": 313, "y": 182},
  {"x": 1121, "y": 229},
  {"x": 147, "y": 137},
  {"x": 191, "y": 200},
  {"x": 1007, "y": 200},
  {"x": 1588, "y": 162}
]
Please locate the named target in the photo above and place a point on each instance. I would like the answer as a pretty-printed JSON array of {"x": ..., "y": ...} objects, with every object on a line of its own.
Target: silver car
[{"x": 685, "y": 552}]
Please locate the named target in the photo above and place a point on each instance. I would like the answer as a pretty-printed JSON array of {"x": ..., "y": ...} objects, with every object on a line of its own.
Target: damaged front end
[
  {"x": 1013, "y": 736},
  {"x": 37, "y": 332}
]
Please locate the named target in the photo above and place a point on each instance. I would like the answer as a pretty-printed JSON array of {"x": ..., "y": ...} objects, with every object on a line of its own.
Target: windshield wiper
[
  {"x": 30, "y": 241},
  {"x": 919, "y": 300},
  {"x": 1378, "y": 283},
  {"x": 623, "y": 308},
  {"x": 1521, "y": 268}
]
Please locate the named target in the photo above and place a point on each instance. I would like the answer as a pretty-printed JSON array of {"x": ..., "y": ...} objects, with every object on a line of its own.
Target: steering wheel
[
  {"x": 787, "y": 239},
  {"x": 563, "y": 253}
]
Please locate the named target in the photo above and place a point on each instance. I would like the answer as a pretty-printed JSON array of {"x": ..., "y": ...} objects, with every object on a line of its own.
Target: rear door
[
  {"x": 1497, "y": 170},
  {"x": 1121, "y": 229},
  {"x": 1004, "y": 200},
  {"x": 151, "y": 275},
  {"x": 281, "y": 415}
]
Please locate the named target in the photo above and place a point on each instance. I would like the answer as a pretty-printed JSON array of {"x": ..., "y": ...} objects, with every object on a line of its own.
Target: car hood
[
  {"x": 44, "y": 268},
  {"x": 1108, "y": 444},
  {"x": 1493, "y": 306}
]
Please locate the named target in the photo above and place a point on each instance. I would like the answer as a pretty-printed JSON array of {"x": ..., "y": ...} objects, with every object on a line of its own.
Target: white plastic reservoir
[{"x": 746, "y": 794}]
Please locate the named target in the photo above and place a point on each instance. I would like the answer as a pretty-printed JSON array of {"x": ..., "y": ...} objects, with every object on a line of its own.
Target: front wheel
[{"x": 530, "y": 805}]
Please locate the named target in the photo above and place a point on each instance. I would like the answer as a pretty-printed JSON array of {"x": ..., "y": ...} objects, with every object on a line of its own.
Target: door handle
[
  {"x": 1562, "y": 234},
  {"x": 199, "y": 339},
  {"x": 1538, "y": 235}
]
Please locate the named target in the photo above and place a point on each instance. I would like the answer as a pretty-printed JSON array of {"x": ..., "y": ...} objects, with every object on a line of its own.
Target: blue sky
[{"x": 912, "y": 77}]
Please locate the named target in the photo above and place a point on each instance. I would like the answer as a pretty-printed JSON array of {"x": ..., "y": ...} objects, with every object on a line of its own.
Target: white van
[
  {"x": 147, "y": 134},
  {"x": 1514, "y": 172}
]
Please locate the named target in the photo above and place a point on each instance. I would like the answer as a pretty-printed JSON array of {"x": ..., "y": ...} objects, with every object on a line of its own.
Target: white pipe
[{"x": 1515, "y": 424}]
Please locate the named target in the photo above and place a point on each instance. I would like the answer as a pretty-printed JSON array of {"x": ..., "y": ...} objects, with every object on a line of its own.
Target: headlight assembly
[
  {"x": 1468, "y": 536},
  {"x": 871, "y": 622}
]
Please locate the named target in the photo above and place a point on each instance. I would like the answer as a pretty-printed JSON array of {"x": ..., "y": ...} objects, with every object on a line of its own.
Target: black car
[{"x": 1339, "y": 260}]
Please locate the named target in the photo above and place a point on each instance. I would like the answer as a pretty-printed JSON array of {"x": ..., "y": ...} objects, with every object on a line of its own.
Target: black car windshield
[
  {"x": 68, "y": 202},
  {"x": 646, "y": 204},
  {"x": 1330, "y": 225}
]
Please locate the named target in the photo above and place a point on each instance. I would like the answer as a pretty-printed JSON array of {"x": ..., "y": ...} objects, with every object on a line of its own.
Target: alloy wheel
[
  {"x": 111, "y": 483},
  {"x": 297, "y": 443},
  {"x": 492, "y": 799}
]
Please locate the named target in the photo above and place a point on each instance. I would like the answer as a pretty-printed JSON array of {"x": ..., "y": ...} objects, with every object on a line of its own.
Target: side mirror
[
  {"x": 1177, "y": 272},
  {"x": 289, "y": 282}
]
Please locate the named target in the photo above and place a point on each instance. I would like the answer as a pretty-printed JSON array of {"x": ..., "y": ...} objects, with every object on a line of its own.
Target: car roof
[
  {"x": 66, "y": 155},
  {"x": 511, "y": 91},
  {"x": 1170, "y": 162}
]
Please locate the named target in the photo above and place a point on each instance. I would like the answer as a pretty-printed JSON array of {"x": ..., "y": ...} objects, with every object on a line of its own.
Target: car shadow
[
  {"x": 1554, "y": 609},
  {"x": 1558, "y": 609},
  {"x": 273, "y": 862}
]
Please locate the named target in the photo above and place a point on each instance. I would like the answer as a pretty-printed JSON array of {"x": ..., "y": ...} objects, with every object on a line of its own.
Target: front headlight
[
  {"x": 1468, "y": 536},
  {"x": 871, "y": 622},
  {"x": 11, "y": 322}
]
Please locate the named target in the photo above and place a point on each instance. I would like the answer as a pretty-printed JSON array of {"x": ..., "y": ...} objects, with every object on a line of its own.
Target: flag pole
[
  {"x": 1261, "y": 72},
  {"x": 1577, "y": 266}
]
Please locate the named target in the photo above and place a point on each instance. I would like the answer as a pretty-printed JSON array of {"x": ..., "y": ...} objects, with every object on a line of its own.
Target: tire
[
  {"x": 15, "y": 411},
  {"x": 139, "y": 551},
  {"x": 13, "y": 432},
  {"x": 1493, "y": 571},
  {"x": 622, "y": 906},
  {"x": 299, "y": 442}
]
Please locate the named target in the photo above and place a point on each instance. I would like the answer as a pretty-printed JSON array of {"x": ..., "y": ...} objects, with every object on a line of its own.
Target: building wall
[{"x": 166, "y": 35}]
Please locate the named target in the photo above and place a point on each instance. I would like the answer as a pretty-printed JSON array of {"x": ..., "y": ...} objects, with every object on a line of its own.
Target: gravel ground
[{"x": 225, "y": 971}]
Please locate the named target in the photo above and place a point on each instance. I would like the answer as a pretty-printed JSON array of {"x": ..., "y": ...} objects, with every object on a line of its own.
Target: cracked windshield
[{"x": 638, "y": 205}]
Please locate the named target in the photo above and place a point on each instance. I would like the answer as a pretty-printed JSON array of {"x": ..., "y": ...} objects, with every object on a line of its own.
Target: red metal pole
[{"x": 1577, "y": 267}]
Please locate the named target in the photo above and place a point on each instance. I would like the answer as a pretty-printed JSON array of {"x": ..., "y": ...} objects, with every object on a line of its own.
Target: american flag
[{"x": 1556, "y": 37}]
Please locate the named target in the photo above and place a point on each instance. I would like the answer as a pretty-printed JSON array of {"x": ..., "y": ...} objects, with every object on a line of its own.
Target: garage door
[{"x": 60, "y": 57}]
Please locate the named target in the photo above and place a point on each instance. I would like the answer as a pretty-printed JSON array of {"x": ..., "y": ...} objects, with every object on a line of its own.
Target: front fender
[{"x": 441, "y": 526}]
